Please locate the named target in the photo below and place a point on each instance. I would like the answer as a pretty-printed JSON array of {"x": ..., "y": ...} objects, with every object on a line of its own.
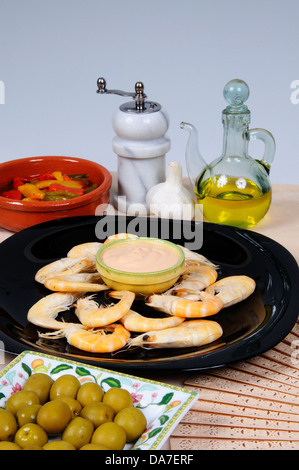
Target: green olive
[
  {"x": 74, "y": 405},
  {"x": 65, "y": 386},
  {"x": 110, "y": 435},
  {"x": 27, "y": 414},
  {"x": 118, "y": 398},
  {"x": 133, "y": 421},
  {"x": 89, "y": 392},
  {"x": 54, "y": 416},
  {"x": 31, "y": 434},
  {"x": 78, "y": 432},
  {"x": 91, "y": 446},
  {"x": 98, "y": 413},
  {"x": 8, "y": 425},
  {"x": 40, "y": 384},
  {"x": 59, "y": 445},
  {"x": 7, "y": 445},
  {"x": 20, "y": 399}
]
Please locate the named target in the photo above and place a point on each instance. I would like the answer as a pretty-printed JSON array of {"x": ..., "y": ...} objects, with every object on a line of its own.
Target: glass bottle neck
[{"x": 235, "y": 137}]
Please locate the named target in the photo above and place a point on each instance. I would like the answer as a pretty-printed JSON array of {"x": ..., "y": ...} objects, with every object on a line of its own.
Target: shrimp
[
  {"x": 88, "y": 250},
  {"x": 45, "y": 310},
  {"x": 232, "y": 289},
  {"x": 119, "y": 236},
  {"x": 134, "y": 321},
  {"x": 181, "y": 307},
  {"x": 63, "y": 266},
  {"x": 80, "y": 282},
  {"x": 103, "y": 340},
  {"x": 196, "y": 334},
  {"x": 202, "y": 277},
  {"x": 192, "y": 256},
  {"x": 92, "y": 315}
]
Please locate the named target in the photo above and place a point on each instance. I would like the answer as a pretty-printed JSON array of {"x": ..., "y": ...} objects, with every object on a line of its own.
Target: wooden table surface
[{"x": 250, "y": 405}]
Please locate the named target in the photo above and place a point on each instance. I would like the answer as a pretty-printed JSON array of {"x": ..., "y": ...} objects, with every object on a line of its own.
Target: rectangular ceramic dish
[{"x": 163, "y": 405}]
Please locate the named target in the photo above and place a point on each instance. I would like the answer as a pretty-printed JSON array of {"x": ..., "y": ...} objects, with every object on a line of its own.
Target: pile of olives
[{"x": 62, "y": 414}]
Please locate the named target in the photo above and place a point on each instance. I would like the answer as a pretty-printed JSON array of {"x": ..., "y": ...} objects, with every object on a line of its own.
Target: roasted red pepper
[
  {"x": 12, "y": 194},
  {"x": 46, "y": 176},
  {"x": 16, "y": 182},
  {"x": 60, "y": 187}
]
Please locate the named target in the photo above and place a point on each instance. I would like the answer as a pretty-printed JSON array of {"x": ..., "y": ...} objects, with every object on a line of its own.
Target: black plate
[{"x": 250, "y": 327}]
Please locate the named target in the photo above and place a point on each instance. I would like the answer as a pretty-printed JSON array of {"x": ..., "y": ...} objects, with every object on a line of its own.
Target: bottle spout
[{"x": 195, "y": 163}]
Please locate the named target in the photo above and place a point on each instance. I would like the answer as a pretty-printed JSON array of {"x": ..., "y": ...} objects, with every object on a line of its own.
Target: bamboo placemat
[{"x": 250, "y": 405}]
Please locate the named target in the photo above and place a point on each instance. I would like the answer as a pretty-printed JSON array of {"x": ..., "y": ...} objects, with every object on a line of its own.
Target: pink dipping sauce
[{"x": 140, "y": 257}]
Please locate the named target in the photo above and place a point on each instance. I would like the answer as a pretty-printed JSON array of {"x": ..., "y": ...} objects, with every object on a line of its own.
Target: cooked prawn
[
  {"x": 202, "y": 277},
  {"x": 45, "y": 310},
  {"x": 119, "y": 236},
  {"x": 103, "y": 340},
  {"x": 232, "y": 289},
  {"x": 138, "y": 323},
  {"x": 192, "y": 256},
  {"x": 84, "y": 250},
  {"x": 92, "y": 315},
  {"x": 181, "y": 307},
  {"x": 63, "y": 266},
  {"x": 200, "y": 333},
  {"x": 80, "y": 282}
]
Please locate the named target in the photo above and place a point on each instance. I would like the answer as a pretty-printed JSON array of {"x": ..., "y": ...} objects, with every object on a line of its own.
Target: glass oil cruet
[{"x": 234, "y": 189}]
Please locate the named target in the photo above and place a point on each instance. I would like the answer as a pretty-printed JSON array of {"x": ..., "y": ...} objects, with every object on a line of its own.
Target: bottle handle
[{"x": 270, "y": 145}]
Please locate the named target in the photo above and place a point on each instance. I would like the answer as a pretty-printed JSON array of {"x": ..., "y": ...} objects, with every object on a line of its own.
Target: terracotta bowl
[{"x": 17, "y": 215}]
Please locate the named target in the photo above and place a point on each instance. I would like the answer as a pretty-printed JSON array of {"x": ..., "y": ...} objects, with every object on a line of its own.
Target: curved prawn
[
  {"x": 63, "y": 266},
  {"x": 84, "y": 250},
  {"x": 134, "y": 321},
  {"x": 193, "y": 257},
  {"x": 45, "y": 310},
  {"x": 186, "y": 308},
  {"x": 80, "y": 282},
  {"x": 103, "y": 340},
  {"x": 232, "y": 289},
  {"x": 92, "y": 315},
  {"x": 198, "y": 279},
  {"x": 189, "y": 334}
]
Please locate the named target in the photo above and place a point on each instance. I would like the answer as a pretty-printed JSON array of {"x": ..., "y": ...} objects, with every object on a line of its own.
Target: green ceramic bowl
[{"x": 145, "y": 283}]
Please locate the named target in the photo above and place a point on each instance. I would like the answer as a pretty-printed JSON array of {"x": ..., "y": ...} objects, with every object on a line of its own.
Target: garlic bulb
[{"x": 171, "y": 199}]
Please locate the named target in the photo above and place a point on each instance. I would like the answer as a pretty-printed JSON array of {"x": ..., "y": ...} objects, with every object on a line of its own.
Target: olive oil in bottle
[
  {"x": 235, "y": 188},
  {"x": 232, "y": 201}
]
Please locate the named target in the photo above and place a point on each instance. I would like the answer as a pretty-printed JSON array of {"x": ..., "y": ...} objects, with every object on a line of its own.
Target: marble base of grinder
[{"x": 135, "y": 177}]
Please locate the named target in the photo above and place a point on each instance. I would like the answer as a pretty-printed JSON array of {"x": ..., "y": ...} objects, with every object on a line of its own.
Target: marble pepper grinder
[{"x": 140, "y": 144}]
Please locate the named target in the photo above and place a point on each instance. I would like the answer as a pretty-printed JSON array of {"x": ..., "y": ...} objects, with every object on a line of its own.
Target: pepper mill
[{"x": 140, "y": 144}]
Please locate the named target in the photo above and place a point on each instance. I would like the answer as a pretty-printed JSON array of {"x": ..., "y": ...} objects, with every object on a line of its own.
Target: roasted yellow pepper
[
  {"x": 31, "y": 191},
  {"x": 69, "y": 184}
]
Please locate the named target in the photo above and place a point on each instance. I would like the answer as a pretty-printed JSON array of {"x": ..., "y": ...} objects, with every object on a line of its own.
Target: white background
[{"x": 53, "y": 51}]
